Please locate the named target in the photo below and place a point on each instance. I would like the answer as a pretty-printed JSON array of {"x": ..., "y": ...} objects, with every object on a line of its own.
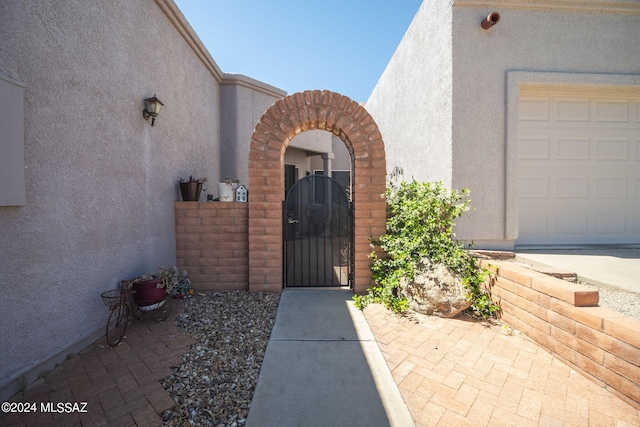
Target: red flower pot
[{"x": 147, "y": 292}]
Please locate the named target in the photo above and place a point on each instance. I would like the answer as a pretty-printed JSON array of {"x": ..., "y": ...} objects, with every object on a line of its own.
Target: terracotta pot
[
  {"x": 190, "y": 191},
  {"x": 147, "y": 292}
]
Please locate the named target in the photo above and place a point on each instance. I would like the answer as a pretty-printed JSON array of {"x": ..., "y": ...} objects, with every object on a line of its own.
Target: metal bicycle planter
[{"x": 124, "y": 309}]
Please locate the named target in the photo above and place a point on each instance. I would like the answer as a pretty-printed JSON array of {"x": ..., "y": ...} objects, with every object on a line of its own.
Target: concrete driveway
[{"x": 601, "y": 266}]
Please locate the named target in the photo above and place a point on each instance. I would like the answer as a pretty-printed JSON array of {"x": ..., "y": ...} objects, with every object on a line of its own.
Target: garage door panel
[
  {"x": 534, "y": 187},
  {"x": 610, "y": 188},
  {"x": 612, "y": 111},
  {"x": 572, "y": 148},
  {"x": 571, "y": 110},
  {"x": 579, "y": 169},
  {"x": 610, "y": 225},
  {"x": 571, "y": 187},
  {"x": 534, "y": 224},
  {"x": 535, "y": 151},
  {"x": 534, "y": 109},
  {"x": 571, "y": 224},
  {"x": 579, "y": 190},
  {"x": 612, "y": 149},
  {"x": 534, "y": 148}
]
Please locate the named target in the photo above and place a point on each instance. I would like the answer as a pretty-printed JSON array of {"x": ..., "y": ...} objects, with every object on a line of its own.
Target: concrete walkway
[
  {"x": 604, "y": 266},
  {"x": 323, "y": 367}
]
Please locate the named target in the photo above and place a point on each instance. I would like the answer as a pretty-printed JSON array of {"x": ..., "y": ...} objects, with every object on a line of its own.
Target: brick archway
[{"x": 285, "y": 119}]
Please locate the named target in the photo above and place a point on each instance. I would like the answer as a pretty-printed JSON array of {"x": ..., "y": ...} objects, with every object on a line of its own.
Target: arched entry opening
[{"x": 285, "y": 119}]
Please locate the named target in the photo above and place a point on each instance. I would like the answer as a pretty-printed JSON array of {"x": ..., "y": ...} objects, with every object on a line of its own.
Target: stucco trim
[
  {"x": 12, "y": 81},
  {"x": 630, "y": 7},
  {"x": 248, "y": 82},
  {"x": 181, "y": 24},
  {"x": 515, "y": 81}
]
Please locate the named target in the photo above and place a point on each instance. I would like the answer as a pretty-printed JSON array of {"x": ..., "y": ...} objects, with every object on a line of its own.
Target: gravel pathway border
[{"x": 215, "y": 383}]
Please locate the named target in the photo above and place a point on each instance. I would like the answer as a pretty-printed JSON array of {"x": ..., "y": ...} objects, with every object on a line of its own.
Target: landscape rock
[{"x": 435, "y": 290}]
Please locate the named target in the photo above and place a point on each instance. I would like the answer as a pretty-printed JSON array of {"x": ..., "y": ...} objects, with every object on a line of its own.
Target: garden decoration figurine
[{"x": 241, "y": 194}]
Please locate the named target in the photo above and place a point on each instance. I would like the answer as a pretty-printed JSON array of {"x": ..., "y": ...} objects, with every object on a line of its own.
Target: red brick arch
[{"x": 285, "y": 119}]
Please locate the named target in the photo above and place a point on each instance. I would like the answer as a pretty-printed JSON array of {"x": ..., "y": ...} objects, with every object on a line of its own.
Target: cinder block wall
[
  {"x": 212, "y": 244},
  {"x": 564, "y": 318}
]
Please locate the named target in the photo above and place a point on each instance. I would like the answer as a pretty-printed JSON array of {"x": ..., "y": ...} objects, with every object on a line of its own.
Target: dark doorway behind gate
[{"x": 317, "y": 231}]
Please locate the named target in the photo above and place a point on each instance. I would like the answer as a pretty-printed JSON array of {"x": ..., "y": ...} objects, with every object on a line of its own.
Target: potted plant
[
  {"x": 191, "y": 188},
  {"x": 152, "y": 289},
  {"x": 178, "y": 282},
  {"x": 227, "y": 189}
]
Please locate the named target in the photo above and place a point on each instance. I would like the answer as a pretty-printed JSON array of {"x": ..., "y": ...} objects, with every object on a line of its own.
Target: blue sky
[{"x": 296, "y": 45}]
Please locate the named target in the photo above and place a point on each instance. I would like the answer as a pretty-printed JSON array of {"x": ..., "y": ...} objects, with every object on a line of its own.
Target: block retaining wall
[
  {"x": 564, "y": 318},
  {"x": 212, "y": 244}
]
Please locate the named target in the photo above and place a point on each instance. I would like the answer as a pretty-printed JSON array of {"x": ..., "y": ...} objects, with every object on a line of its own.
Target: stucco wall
[
  {"x": 341, "y": 160},
  {"x": 441, "y": 104},
  {"x": 299, "y": 158},
  {"x": 529, "y": 37},
  {"x": 306, "y": 148},
  {"x": 100, "y": 181},
  {"x": 313, "y": 141},
  {"x": 243, "y": 101},
  {"x": 411, "y": 102}
]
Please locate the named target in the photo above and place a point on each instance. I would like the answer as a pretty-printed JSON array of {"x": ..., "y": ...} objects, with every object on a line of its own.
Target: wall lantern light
[
  {"x": 490, "y": 20},
  {"x": 153, "y": 108}
]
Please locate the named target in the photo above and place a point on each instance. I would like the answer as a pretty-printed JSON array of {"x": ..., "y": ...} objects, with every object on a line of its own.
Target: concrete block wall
[
  {"x": 212, "y": 244},
  {"x": 564, "y": 318}
]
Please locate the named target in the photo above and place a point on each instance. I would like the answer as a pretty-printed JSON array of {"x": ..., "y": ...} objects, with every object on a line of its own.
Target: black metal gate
[{"x": 317, "y": 231}]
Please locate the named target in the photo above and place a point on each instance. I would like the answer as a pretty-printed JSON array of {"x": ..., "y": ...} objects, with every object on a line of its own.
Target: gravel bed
[
  {"x": 216, "y": 380},
  {"x": 625, "y": 302}
]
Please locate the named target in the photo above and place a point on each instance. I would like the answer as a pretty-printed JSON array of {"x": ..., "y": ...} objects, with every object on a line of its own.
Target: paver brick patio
[
  {"x": 461, "y": 372},
  {"x": 120, "y": 385}
]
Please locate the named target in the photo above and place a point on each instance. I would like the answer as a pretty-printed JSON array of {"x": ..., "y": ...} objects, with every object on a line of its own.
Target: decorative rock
[
  {"x": 215, "y": 382},
  {"x": 435, "y": 290}
]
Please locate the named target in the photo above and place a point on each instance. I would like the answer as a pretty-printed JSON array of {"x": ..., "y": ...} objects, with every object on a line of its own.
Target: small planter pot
[
  {"x": 226, "y": 192},
  {"x": 190, "y": 191},
  {"x": 147, "y": 292}
]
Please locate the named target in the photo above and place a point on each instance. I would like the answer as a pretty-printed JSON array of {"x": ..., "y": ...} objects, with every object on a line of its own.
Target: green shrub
[{"x": 420, "y": 225}]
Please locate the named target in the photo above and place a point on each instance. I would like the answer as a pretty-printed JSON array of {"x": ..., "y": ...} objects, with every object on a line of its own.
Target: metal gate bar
[{"x": 317, "y": 234}]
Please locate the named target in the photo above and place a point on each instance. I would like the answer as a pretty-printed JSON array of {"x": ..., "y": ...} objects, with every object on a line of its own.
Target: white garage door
[{"x": 579, "y": 167}]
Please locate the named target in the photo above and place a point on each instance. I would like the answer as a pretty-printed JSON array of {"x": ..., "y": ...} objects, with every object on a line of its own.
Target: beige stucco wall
[
  {"x": 100, "y": 181},
  {"x": 341, "y": 160},
  {"x": 598, "y": 44},
  {"x": 412, "y": 101},
  {"x": 595, "y": 40},
  {"x": 306, "y": 148},
  {"x": 242, "y": 101}
]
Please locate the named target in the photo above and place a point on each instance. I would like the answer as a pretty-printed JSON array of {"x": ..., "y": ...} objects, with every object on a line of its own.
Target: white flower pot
[{"x": 226, "y": 192}]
